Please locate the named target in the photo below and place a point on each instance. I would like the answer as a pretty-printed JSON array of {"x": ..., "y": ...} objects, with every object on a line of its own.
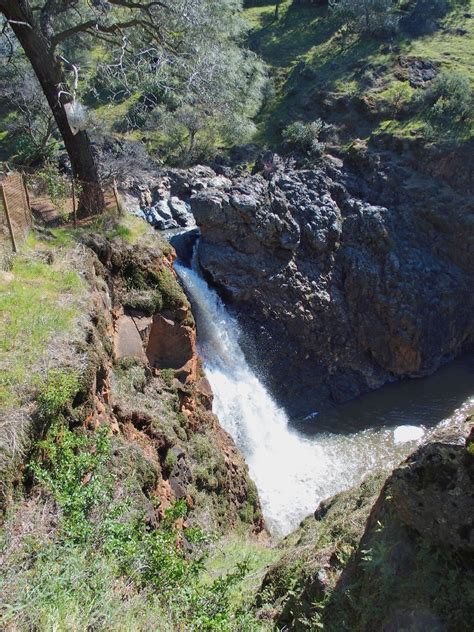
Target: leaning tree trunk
[{"x": 52, "y": 80}]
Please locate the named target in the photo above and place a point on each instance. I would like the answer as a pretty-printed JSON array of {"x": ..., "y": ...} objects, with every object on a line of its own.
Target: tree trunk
[{"x": 52, "y": 80}]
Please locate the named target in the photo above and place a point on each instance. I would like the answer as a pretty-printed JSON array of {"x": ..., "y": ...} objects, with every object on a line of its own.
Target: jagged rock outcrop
[
  {"x": 162, "y": 198},
  {"x": 344, "y": 278},
  {"x": 383, "y": 560},
  {"x": 157, "y": 398}
]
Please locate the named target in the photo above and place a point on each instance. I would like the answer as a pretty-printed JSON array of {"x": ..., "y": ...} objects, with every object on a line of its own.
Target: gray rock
[
  {"x": 163, "y": 209},
  {"x": 183, "y": 243},
  {"x": 364, "y": 277},
  {"x": 159, "y": 216},
  {"x": 420, "y": 71},
  {"x": 220, "y": 182},
  {"x": 181, "y": 212},
  {"x": 431, "y": 492}
]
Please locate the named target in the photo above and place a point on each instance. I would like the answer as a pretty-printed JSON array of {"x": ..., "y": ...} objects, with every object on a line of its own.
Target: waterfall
[{"x": 293, "y": 471}]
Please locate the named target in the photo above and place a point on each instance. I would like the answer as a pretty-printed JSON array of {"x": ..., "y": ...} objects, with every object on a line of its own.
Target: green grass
[
  {"x": 95, "y": 563},
  {"x": 114, "y": 113},
  {"x": 38, "y": 303},
  {"x": 284, "y": 42},
  {"x": 239, "y": 548},
  {"x": 129, "y": 228}
]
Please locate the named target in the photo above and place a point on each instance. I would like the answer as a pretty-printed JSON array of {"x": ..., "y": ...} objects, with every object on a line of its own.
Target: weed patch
[
  {"x": 38, "y": 302},
  {"x": 102, "y": 556}
]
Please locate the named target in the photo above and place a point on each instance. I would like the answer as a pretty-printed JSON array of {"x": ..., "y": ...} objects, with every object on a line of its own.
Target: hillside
[
  {"x": 119, "y": 487},
  {"x": 125, "y": 506},
  {"x": 375, "y": 88},
  {"x": 366, "y": 86}
]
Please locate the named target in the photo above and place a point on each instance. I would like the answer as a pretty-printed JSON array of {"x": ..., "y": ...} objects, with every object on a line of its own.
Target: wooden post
[
  {"x": 116, "y": 195},
  {"x": 10, "y": 228},
  {"x": 74, "y": 210},
  {"x": 28, "y": 202}
]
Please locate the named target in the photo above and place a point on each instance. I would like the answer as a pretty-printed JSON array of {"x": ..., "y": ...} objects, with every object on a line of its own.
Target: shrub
[
  {"x": 71, "y": 467},
  {"x": 304, "y": 137},
  {"x": 397, "y": 96},
  {"x": 54, "y": 184},
  {"x": 449, "y": 100},
  {"x": 58, "y": 391},
  {"x": 168, "y": 377},
  {"x": 366, "y": 16},
  {"x": 112, "y": 537}
]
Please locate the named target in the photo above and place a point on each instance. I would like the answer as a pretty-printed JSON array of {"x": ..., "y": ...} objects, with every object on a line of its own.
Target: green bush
[
  {"x": 304, "y": 137},
  {"x": 167, "y": 376},
  {"x": 397, "y": 95},
  {"x": 102, "y": 554},
  {"x": 449, "y": 100},
  {"x": 367, "y": 16},
  {"x": 59, "y": 390},
  {"x": 54, "y": 183},
  {"x": 71, "y": 467}
]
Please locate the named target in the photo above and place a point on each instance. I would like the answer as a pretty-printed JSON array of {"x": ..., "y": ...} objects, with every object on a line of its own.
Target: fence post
[
  {"x": 25, "y": 186},
  {"x": 28, "y": 213},
  {"x": 116, "y": 195},
  {"x": 10, "y": 228},
  {"x": 74, "y": 210}
]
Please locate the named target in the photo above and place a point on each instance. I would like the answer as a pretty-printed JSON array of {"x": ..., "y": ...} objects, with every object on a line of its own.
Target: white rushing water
[{"x": 293, "y": 472}]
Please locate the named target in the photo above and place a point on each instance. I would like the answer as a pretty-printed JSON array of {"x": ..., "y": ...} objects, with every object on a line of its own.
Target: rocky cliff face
[
  {"x": 134, "y": 352},
  {"x": 384, "y": 556},
  {"x": 345, "y": 276},
  {"x": 154, "y": 395}
]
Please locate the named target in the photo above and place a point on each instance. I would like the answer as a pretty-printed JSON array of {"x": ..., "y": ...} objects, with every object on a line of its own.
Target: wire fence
[
  {"x": 27, "y": 196},
  {"x": 15, "y": 216}
]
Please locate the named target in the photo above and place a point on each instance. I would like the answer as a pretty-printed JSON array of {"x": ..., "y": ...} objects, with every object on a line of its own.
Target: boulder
[
  {"x": 181, "y": 212},
  {"x": 184, "y": 243},
  {"x": 431, "y": 492},
  {"x": 159, "y": 216},
  {"x": 419, "y": 71}
]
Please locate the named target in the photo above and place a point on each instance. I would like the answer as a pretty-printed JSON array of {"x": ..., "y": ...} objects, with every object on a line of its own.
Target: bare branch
[
  {"x": 139, "y": 5},
  {"x": 92, "y": 26}
]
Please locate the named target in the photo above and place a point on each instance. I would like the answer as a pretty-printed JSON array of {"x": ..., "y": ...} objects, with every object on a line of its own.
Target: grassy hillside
[
  {"x": 356, "y": 82},
  {"x": 92, "y": 535}
]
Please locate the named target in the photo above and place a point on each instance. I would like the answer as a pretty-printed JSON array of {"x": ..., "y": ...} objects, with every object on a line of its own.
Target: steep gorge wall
[
  {"x": 158, "y": 395},
  {"x": 345, "y": 279},
  {"x": 388, "y": 555}
]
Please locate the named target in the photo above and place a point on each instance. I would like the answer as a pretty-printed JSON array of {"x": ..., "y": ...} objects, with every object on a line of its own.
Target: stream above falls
[{"x": 297, "y": 463}]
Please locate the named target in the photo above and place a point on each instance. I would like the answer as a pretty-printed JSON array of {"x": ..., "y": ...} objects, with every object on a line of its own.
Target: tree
[
  {"x": 169, "y": 46},
  {"x": 370, "y": 16},
  {"x": 30, "y": 122},
  {"x": 39, "y": 43},
  {"x": 304, "y": 137},
  {"x": 449, "y": 103}
]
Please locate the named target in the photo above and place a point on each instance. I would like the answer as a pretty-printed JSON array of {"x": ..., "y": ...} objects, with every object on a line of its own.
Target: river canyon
[{"x": 298, "y": 462}]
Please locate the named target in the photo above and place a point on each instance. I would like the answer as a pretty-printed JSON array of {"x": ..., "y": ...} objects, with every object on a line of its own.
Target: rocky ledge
[
  {"x": 345, "y": 276},
  {"x": 389, "y": 555}
]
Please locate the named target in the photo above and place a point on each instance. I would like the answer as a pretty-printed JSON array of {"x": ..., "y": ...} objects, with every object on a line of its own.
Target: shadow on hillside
[{"x": 281, "y": 42}]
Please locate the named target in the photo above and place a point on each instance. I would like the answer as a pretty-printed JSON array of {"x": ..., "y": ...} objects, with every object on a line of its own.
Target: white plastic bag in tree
[{"x": 76, "y": 116}]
